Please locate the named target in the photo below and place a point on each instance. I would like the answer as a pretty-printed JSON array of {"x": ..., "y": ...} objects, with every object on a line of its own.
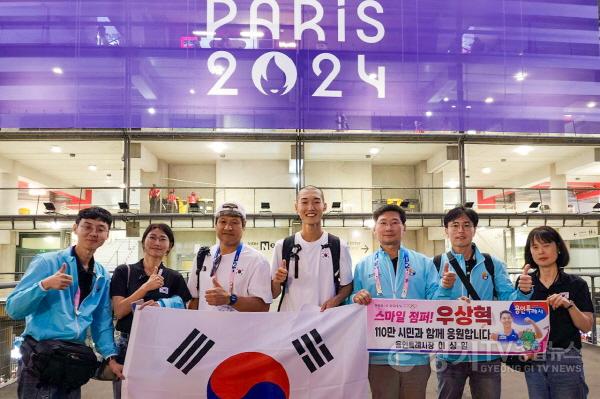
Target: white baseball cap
[{"x": 231, "y": 209}]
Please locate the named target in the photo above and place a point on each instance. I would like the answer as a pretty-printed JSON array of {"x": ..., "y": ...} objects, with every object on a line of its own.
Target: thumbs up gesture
[
  {"x": 216, "y": 296},
  {"x": 59, "y": 280},
  {"x": 525, "y": 283},
  {"x": 281, "y": 273},
  {"x": 448, "y": 278}
]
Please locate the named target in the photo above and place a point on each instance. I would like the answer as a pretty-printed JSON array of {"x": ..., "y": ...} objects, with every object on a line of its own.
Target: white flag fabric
[{"x": 177, "y": 353}]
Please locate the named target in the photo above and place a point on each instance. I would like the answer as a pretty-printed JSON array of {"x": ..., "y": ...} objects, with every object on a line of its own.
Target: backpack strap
[
  {"x": 489, "y": 266},
  {"x": 200, "y": 257},
  {"x": 333, "y": 243},
  {"x": 289, "y": 251},
  {"x": 437, "y": 261},
  {"x": 463, "y": 277}
]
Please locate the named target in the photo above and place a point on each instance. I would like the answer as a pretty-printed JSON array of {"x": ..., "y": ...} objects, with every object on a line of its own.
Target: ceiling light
[
  {"x": 486, "y": 171},
  {"x": 217, "y": 147},
  {"x": 254, "y": 35},
  {"x": 454, "y": 106},
  {"x": 489, "y": 100},
  {"x": 55, "y": 149},
  {"x": 92, "y": 168},
  {"x": 192, "y": 91},
  {"x": 203, "y": 33},
  {"x": 520, "y": 76},
  {"x": 446, "y": 99},
  {"x": 523, "y": 150},
  {"x": 374, "y": 150},
  {"x": 468, "y": 107},
  {"x": 287, "y": 44},
  {"x": 428, "y": 114},
  {"x": 471, "y": 131},
  {"x": 57, "y": 70},
  {"x": 151, "y": 111},
  {"x": 591, "y": 104}
]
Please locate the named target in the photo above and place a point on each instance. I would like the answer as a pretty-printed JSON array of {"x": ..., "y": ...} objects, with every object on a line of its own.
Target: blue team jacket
[
  {"x": 51, "y": 314},
  {"x": 484, "y": 286},
  {"x": 424, "y": 284}
]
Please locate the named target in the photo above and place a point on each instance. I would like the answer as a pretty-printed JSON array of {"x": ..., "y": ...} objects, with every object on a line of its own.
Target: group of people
[
  {"x": 172, "y": 202},
  {"x": 66, "y": 293}
]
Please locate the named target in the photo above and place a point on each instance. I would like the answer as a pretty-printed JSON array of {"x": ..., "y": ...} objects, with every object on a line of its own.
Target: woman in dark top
[
  {"x": 559, "y": 373},
  {"x": 148, "y": 280}
]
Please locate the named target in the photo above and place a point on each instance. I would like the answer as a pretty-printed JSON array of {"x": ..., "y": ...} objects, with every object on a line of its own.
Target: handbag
[{"x": 64, "y": 364}]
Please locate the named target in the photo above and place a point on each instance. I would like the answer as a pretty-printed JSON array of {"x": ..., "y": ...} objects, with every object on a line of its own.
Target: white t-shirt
[
  {"x": 250, "y": 279},
  {"x": 314, "y": 284}
]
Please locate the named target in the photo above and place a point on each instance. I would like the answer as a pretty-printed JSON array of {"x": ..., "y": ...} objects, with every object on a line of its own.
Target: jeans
[
  {"x": 558, "y": 376},
  {"x": 30, "y": 387},
  {"x": 484, "y": 379},
  {"x": 121, "y": 342}
]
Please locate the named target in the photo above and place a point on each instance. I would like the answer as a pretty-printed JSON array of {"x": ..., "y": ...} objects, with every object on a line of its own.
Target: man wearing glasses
[
  {"x": 486, "y": 279},
  {"x": 232, "y": 276},
  {"x": 61, "y": 296}
]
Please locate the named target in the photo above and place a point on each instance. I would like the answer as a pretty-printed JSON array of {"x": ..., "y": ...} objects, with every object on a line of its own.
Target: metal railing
[{"x": 259, "y": 200}]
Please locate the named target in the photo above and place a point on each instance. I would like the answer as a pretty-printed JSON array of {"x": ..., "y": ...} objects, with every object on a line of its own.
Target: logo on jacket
[
  {"x": 249, "y": 375},
  {"x": 484, "y": 275}
]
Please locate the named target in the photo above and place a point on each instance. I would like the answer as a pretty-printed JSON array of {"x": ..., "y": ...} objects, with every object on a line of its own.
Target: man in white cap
[{"x": 230, "y": 276}]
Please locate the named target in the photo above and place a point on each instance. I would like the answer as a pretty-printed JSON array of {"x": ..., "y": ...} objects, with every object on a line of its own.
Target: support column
[
  {"x": 559, "y": 199},
  {"x": 9, "y": 194}
]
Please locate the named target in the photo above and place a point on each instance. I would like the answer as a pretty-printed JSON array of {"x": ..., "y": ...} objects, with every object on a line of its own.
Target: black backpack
[
  {"x": 290, "y": 249},
  {"x": 489, "y": 266}
]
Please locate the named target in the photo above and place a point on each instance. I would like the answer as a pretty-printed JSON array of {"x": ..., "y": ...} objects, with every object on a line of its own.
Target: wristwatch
[
  {"x": 232, "y": 299},
  {"x": 571, "y": 305}
]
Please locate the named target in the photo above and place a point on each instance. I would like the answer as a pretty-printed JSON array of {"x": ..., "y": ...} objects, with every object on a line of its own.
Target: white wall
[
  {"x": 343, "y": 174},
  {"x": 256, "y": 174}
]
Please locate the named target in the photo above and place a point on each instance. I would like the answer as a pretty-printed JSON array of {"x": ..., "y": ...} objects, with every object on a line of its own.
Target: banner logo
[
  {"x": 283, "y": 62},
  {"x": 319, "y": 355},
  {"x": 249, "y": 375},
  {"x": 189, "y": 347}
]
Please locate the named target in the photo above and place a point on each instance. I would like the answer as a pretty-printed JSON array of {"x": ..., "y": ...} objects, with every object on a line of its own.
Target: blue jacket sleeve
[
  {"x": 504, "y": 287},
  {"x": 433, "y": 289},
  {"x": 174, "y": 302},
  {"x": 102, "y": 325},
  {"x": 27, "y": 295},
  {"x": 358, "y": 283}
]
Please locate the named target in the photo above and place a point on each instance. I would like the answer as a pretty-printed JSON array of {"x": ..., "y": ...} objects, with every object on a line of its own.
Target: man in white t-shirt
[
  {"x": 308, "y": 278},
  {"x": 233, "y": 276}
]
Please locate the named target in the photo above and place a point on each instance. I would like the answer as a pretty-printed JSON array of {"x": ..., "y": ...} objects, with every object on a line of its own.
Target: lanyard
[
  {"x": 377, "y": 276},
  {"x": 217, "y": 263}
]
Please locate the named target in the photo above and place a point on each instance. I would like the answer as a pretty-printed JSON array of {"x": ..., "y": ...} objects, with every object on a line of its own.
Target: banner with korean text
[
  {"x": 176, "y": 353},
  {"x": 481, "y": 327}
]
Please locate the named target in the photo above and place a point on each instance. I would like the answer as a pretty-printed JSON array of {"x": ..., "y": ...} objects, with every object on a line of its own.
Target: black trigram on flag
[
  {"x": 188, "y": 348},
  {"x": 317, "y": 354}
]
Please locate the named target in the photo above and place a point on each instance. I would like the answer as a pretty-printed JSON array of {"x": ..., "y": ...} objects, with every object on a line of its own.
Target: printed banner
[
  {"x": 482, "y": 327},
  {"x": 194, "y": 354}
]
